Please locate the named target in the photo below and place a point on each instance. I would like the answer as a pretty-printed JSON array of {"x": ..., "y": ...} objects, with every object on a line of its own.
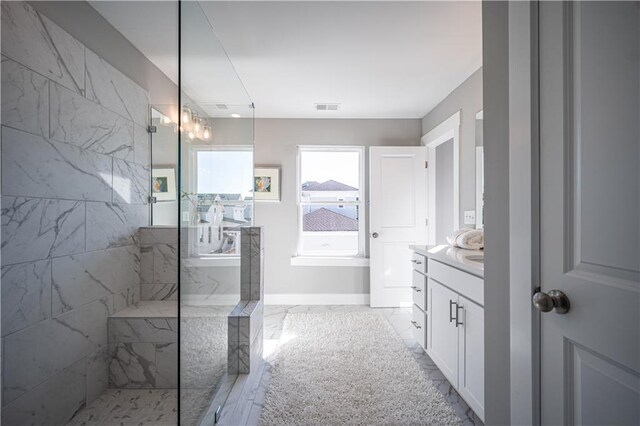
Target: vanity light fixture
[
  {"x": 206, "y": 132},
  {"x": 191, "y": 135}
]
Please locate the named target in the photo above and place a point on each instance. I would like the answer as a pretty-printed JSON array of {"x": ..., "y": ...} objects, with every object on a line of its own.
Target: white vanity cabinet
[
  {"x": 419, "y": 293},
  {"x": 455, "y": 330}
]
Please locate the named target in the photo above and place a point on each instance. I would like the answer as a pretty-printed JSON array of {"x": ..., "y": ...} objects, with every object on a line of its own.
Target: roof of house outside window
[
  {"x": 330, "y": 185},
  {"x": 325, "y": 220}
]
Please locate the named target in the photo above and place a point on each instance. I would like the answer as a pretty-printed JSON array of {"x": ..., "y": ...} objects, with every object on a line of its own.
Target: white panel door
[
  {"x": 589, "y": 207},
  {"x": 442, "y": 333},
  {"x": 398, "y": 197},
  {"x": 471, "y": 354}
]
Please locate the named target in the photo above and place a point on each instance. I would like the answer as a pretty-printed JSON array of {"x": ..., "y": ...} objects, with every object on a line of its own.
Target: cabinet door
[
  {"x": 471, "y": 354},
  {"x": 442, "y": 334}
]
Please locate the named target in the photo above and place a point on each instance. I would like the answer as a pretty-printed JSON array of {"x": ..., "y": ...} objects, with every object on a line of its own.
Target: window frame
[
  {"x": 194, "y": 149},
  {"x": 361, "y": 203}
]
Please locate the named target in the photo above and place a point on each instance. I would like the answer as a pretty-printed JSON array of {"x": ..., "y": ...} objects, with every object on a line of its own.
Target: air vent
[
  {"x": 327, "y": 107},
  {"x": 222, "y": 106}
]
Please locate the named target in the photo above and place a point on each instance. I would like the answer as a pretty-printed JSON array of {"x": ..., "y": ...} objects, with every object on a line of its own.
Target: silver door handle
[
  {"x": 458, "y": 307},
  {"x": 555, "y": 301},
  {"x": 375, "y": 235}
]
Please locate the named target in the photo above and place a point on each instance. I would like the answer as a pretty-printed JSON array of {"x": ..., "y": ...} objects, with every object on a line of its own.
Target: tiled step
[{"x": 143, "y": 345}]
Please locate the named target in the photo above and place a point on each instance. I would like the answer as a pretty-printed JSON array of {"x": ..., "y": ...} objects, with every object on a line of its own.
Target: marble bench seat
[{"x": 143, "y": 346}]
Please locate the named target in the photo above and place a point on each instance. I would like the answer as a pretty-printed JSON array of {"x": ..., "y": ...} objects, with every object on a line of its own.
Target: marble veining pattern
[
  {"x": 26, "y": 295},
  {"x": 34, "y": 41},
  {"x": 148, "y": 407},
  {"x": 165, "y": 264},
  {"x": 82, "y": 278},
  {"x": 25, "y": 99},
  {"x": 69, "y": 243},
  {"x": 78, "y": 121},
  {"x": 39, "y": 167},
  {"x": 114, "y": 225},
  {"x": 47, "y": 404},
  {"x": 131, "y": 182},
  {"x": 110, "y": 88},
  {"x": 29, "y": 354},
  {"x": 141, "y": 145},
  {"x": 133, "y": 365},
  {"x": 35, "y": 229}
]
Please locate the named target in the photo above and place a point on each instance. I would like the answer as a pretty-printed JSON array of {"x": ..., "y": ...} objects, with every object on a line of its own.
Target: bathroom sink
[{"x": 477, "y": 258}]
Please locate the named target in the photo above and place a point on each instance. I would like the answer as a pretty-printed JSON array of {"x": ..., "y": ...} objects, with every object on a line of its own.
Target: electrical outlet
[
  {"x": 185, "y": 216},
  {"x": 469, "y": 217}
]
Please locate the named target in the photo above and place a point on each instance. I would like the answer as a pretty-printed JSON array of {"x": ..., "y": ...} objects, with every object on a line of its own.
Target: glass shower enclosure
[{"x": 202, "y": 178}]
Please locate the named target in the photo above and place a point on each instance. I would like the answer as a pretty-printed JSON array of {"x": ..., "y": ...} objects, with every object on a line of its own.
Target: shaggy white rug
[{"x": 349, "y": 368}]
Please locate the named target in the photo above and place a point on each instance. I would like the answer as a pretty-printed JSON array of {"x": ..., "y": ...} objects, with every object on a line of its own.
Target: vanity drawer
[
  {"x": 461, "y": 282},
  {"x": 419, "y": 290},
  {"x": 419, "y": 263},
  {"x": 419, "y": 323}
]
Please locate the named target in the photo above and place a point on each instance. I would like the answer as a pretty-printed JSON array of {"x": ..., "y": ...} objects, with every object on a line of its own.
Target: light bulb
[
  {"x": 206, "y": 133},
  {"x": 191, "y": 135},
  {"x": 197, "y": 126},
  {"x": 186, "y": 115}
]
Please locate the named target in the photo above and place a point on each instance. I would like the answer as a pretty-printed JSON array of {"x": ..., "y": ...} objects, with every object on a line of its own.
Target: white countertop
[{"x": 453, "y": 256}]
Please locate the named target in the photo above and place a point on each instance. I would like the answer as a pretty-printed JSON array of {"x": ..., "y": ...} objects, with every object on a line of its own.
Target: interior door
[
  {"x": 398, "y": 212},
  {"x": 589, "y": 212}
]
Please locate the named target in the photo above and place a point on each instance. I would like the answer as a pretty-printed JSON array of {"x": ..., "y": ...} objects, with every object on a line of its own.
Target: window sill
[{"x": 362, "y": 262}]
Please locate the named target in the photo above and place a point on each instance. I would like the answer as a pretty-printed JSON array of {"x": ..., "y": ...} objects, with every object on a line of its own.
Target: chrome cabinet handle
[
  {"x": 416, "y": 289},
  {"x": 415, "y": 324},
  {"x": 417, "y": 262},
  {"x": 451, "y": 303},
  {"x": 458, "y": 307},
  {"x": 555, "y": 301}
]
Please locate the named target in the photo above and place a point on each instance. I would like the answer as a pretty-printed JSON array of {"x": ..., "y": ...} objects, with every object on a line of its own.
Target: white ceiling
[{"x": 376, "y": 59}]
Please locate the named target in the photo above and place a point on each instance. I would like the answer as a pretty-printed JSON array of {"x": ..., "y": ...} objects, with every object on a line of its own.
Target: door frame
[
  {"x": 448, "y": 130},
  {"x": 524, "y": 212}
]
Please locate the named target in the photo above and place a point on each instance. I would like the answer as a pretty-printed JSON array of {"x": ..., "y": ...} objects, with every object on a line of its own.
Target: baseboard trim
[{"x": 316, "y": 299}]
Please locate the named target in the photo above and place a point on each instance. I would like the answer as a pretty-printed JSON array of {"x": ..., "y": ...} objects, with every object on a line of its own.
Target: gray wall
[
  {"x": 276, "y": 142},
  {"x": 444, "y": 192},
  {"x": 75, "y": 178},
  {"x": 466, "y": 98}
]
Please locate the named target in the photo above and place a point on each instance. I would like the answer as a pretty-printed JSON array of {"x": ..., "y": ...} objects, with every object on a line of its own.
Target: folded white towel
[{"x": 471, "y": 239}]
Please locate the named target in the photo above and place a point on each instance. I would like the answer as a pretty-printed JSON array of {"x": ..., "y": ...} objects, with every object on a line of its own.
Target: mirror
[{"x": 479, "y": 171}]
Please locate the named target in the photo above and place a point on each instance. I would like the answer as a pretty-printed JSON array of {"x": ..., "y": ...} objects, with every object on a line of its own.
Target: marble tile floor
[
  {"x": 245, "y": 407},
  {"x": 129, "y": 407}
]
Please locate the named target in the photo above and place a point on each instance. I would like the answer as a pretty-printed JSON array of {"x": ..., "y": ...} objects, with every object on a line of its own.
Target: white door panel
[
  {"x": 398, "y": 211},
  {"x": 589, "y": 199}
]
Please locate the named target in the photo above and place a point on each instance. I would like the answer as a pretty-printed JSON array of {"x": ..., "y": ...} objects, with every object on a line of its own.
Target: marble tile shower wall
[{"x": 75, "y": 179}]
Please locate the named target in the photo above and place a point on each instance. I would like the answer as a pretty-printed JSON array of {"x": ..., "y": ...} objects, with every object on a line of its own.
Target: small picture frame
[
  {"x": 163, "y": 184},
  {"x": 266, "y": 184}
]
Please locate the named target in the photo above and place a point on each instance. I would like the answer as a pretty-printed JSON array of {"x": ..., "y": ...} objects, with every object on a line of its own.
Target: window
[
  {"x": 330, "y": 201},
  {"x": 223, "y": 199}
]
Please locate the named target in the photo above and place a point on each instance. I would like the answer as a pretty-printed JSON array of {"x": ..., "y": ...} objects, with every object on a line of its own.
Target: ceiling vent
[
  {"x": 327, "y": 107},
  {"x": 221, "y": 106}
]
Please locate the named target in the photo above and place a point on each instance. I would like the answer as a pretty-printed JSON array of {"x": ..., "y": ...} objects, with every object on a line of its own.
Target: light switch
[
  {"x": 469, "y": 217},
  {"x": 185, "y": 217}
]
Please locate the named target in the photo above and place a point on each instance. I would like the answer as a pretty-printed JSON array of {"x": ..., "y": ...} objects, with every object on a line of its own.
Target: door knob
[
  {"x": 374, "y": 235},
  {"x": 554, "y": 300}
]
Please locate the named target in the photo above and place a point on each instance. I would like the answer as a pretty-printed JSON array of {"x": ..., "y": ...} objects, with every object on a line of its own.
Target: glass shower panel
[
  {"x": 215, "y": 201},
  {"x": 164, "y": 165}
]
